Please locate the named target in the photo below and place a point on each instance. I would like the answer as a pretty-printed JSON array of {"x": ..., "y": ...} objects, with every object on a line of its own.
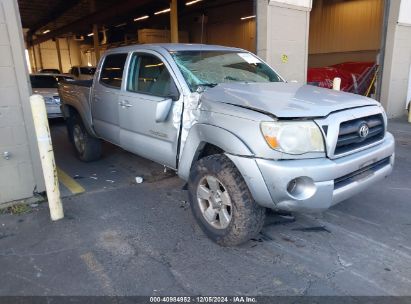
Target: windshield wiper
[
  {"x": 232, "y": 78},
  {"x": 210, "y": 85}
]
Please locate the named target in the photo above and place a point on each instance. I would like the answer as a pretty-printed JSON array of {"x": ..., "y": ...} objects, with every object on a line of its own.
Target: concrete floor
[{"x": 123, "y": 238}]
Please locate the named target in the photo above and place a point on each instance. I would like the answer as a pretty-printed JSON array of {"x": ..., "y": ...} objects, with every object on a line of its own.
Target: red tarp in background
[{"x": 355, "y": 76}]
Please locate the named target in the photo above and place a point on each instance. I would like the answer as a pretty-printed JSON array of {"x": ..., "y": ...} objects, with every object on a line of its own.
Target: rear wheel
[
  {"x": 222, "y": 203},
  {"x": 88, "y": 147}
]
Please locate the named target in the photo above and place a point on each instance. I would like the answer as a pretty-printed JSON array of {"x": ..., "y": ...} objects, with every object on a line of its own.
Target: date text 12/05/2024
[{"x": 203, "y": 299}]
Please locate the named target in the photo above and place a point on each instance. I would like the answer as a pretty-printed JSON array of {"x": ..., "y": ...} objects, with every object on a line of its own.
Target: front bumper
[{"x": 327, "y": 181}]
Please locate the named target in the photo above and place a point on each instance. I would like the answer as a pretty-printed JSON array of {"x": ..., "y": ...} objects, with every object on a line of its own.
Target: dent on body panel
[{"x": 189, "y": 117}]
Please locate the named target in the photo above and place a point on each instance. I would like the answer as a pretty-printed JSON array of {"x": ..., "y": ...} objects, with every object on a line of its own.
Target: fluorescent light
[
  {"x": 162, "y": 12},
  {"x": 142, "y": 18},
  {"x": 193, "y": 2},
  {"x": 46, "y": 31},
  {"x": 121, "y": 24},
  {"x": 248, "y": 17},
  {"x": 91, "y": 34}
]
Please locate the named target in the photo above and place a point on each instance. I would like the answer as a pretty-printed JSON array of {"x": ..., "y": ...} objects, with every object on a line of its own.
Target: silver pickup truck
[{"x": 242, "y": 137}]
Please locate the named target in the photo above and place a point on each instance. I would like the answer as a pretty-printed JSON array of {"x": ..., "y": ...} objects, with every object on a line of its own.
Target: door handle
[{"x": 125, "y": 104}]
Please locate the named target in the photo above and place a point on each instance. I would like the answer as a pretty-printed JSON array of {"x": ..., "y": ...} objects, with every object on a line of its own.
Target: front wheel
[
  {"x": 88, "y": 147},
  {"x": 222, "y": 203}
]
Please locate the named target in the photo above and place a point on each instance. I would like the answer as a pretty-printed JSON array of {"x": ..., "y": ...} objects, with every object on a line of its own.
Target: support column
[
  {"x": 20, "y": 170},
  {"x": 40, "y": 57},
  {"x": 95, "y": 33},
  {"x": 397, "y": 59},
  {"x": 96, "y": 43},
  {"x": 282, "y": 36},
  {"x": 33, "y": 49},
  {"x": 59, "y": 55},
  {"x": 174, "y": 21}
]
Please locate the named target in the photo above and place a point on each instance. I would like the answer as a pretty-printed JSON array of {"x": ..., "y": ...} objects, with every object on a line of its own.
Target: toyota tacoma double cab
[{"x": 243, "y": 138}]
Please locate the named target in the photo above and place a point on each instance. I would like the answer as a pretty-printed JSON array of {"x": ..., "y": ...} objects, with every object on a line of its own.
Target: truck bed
[
  {"x": 81, "y": 83},
  {"x": 76, "y": 94}
]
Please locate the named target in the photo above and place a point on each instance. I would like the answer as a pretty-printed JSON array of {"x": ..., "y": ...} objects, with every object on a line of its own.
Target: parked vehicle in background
[
  {"x": 243, "y": 138},
  {"x": 50, "y": 71},
  {"x": 82, "y": 72},
  {"x": 46, "y": 85}
]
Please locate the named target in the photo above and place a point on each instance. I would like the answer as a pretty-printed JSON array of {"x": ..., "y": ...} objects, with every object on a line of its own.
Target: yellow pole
[
  {"x": 48, "y": 164},
  {"x": 174, "y": 21},
  {"x": 409, "y": 112}
]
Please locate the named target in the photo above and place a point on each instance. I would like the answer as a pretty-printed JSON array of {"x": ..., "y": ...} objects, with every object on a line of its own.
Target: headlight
[{"x": 293, "y": 137}]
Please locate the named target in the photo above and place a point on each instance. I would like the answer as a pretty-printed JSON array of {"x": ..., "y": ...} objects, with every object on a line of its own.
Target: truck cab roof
[{"x": 174, "y": 47}]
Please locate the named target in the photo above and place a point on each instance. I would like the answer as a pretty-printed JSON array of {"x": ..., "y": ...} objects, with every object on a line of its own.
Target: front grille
[
  {"x": 361, "y": 173},
  {"x": 349, "y": 138}
]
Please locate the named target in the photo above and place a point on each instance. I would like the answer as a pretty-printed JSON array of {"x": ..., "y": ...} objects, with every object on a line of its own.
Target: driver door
[{"x": 146, "y": 110}]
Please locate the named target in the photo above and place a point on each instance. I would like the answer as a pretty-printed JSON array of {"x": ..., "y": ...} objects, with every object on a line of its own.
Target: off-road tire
[
  {"x": 92, "y": 145},
  {"x": 247, "y": 216}
]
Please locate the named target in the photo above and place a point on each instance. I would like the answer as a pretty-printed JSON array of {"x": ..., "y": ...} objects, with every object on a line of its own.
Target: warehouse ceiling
[
  {"x": 36, "y": 14},
  {"x": 46, "y": 19}
]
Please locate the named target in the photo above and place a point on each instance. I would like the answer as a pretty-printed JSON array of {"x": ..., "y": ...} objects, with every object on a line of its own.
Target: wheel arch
[
  {"x": 204, "y": 140},
  {"x": 70, "y": 110}
]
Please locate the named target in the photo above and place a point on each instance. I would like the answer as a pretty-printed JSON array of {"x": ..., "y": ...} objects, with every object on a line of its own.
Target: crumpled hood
[{"x": 285, "y": 100}]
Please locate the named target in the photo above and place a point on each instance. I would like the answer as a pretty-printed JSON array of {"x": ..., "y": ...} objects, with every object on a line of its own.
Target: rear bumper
[
  {"x": 53, "y": 111},
  {"x": 322, "y": 182}
]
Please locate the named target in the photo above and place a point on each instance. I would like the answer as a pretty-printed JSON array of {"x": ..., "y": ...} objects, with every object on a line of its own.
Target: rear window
[
  {"x": 112, "y": 70},
  {"x": 43, "y": 82}
]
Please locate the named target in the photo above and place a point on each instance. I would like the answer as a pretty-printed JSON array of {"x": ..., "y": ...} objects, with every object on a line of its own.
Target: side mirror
[{"x": 162, "y": 110}]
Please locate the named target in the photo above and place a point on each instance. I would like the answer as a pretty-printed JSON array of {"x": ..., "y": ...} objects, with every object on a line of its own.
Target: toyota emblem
[{"x": 364, "y": 130}]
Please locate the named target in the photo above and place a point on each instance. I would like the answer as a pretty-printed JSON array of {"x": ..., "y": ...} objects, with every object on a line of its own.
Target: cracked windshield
[{"x": 210, "y": 68}]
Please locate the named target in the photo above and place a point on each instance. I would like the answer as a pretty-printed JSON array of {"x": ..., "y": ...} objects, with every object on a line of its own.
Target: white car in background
[
  {"x": 46, "y": 85},
  {"x": 82, "y": 72}
]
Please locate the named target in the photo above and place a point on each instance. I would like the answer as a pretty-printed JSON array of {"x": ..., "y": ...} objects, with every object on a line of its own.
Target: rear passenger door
[
  {"x": 149, "y": 89},
  {"x": 105, "y": 98}
]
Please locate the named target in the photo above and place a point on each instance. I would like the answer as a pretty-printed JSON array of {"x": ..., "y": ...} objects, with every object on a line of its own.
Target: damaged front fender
[{"x": 200, "y": 134}]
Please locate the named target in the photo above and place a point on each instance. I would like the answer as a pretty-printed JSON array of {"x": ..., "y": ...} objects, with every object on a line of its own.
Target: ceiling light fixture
[
  {"x": 162, "y": 11},
  {"x": 91, "y": 34},
  {"x": 248, "y": 17},
  {"x": 46, "y": 31},
  {"x": 121, "y": 24},
  {"x": 193, "y": 2},
  {"x": 142, "y": 18}
]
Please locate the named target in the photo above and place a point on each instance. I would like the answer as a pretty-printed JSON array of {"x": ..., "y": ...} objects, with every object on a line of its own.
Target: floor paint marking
[{"x": 69, "y": 183}]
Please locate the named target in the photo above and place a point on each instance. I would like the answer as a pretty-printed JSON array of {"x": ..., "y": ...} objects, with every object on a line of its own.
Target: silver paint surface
[{"x": 229, "y": 116}]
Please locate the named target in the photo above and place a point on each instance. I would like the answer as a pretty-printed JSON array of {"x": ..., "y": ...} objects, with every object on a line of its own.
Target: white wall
[
  {"x": 21, "y": 174},
  {"x": 300, "y": 3},
  {"x": 282, "y": 36},
  {"x": 405, "y": 12},
  {"x": 46, "y": 56},
  {"x": 397, "y": 59}
]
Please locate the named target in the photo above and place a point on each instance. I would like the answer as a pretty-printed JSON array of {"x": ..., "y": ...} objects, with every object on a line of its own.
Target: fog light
[{"x": 301, "y": 188}]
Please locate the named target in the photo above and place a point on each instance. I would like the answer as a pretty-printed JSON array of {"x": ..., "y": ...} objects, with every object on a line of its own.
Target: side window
[
  {"x": 112, "y": 71},
  {"x": 75, "y": 71},
  {"x": 149, "y": 75}
]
